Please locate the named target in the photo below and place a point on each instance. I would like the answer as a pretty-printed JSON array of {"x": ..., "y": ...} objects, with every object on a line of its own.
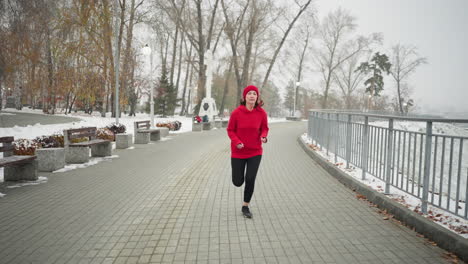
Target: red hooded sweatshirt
[{"x": 247, "y": 127}]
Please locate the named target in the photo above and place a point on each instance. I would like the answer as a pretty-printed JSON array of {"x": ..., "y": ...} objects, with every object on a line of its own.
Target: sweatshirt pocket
[{"x": 252, "y": 143}]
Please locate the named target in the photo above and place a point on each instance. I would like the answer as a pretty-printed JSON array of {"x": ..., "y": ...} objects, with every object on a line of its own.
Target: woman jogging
[{"x": 247, "y": 129}]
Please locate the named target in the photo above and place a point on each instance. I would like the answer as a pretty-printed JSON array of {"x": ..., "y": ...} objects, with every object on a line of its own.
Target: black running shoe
[{"x": 246, "y": 212}]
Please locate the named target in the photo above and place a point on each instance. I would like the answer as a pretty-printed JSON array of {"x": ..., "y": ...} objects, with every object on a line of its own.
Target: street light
[
  {"x": 146, "y": 50},
  {"x": 295, "y": 95}
]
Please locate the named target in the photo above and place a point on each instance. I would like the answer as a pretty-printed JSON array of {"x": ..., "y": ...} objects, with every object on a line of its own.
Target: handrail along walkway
[{"x": 430, "y": 166}]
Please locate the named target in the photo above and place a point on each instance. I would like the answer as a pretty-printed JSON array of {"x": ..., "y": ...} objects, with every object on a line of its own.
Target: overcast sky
[{"x": 438, "y": 28}]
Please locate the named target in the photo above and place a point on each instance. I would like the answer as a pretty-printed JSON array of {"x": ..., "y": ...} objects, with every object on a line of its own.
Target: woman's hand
[
  {"x": 240, "y": 146},
  {"x": 264, "y": 139}
]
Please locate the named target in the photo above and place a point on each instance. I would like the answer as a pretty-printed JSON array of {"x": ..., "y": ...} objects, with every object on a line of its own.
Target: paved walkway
[{"x": 173, "y": 202}]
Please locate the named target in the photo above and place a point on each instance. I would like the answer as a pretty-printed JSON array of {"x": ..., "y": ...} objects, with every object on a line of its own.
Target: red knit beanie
[{"x": 248, "y": 89}]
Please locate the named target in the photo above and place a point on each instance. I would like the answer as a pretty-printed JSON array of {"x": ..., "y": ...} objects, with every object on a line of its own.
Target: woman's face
[{"x": 251, "y": 97}]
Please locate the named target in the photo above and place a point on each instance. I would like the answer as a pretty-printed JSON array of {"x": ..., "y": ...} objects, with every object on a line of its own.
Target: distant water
[{"x": 459, "y": 115}]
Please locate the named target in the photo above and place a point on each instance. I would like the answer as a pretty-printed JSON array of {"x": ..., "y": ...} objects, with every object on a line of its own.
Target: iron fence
[{"x": 430, "y": 166}]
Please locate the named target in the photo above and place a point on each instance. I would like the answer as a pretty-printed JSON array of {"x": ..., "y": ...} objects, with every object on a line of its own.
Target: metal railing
[{"x": 430, "y": 166}]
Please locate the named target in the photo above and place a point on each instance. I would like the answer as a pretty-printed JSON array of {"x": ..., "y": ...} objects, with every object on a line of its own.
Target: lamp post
[
  {"x": 295, "y": 95},
  {"x": 148, "y": 52}
]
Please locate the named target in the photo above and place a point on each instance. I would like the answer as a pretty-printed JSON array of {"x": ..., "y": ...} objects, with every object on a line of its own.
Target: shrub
[
  {"x": 24, "y": 147},
  {"x": 105, "y": 133},
  {"x": 78, "y": 140},
  {"x": 53, "y": 141},
  {"x": 173, "y": 126},
  {"x": 117, "y": 128}
]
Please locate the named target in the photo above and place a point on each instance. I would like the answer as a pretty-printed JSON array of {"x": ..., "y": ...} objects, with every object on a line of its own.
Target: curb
[{"x": 444, "y": 238}]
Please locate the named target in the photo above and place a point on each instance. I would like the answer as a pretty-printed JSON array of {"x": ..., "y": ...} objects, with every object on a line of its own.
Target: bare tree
[
  {"x": 233, "y": 32},
  {"x": 302, "y": 8},
  {"x": 405, "y": 60},
  {"x": 307, "y": 31},
  {"x": 334, "y": 34},
  {"x": 348, "y": 79}
]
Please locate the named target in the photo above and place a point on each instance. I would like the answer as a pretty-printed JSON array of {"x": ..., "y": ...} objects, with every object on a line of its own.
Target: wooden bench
[
  {"x": 78, "y": 152},
  {"x": 144, "y": 133},
  {"x": 16, "y": 167}
]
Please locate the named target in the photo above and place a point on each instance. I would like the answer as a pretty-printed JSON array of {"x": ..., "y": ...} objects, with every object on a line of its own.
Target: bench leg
[
  {"x": 101, "y": 150},
  {"x": 26, "y": 172},
  {"x": 142, "y": 138},
  {"x": 77, "y": 154},
  {"x": 155, "y": 136}
]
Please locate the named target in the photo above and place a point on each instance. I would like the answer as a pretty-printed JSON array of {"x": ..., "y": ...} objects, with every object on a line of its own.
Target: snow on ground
[
  {"x": 94, "y": 120},
  {"x": 437, "y": 128},
  {"x": 92, "y": 161},
  {"x": 446, "y": 219}
]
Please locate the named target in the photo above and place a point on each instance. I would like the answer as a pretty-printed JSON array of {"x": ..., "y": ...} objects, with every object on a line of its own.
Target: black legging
[{"x": 238, "y": 169}]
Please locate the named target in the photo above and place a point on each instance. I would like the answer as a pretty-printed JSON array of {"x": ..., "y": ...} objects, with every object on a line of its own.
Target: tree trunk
[
  {"x": 108, "y": 56},
  {"x": 71, "y": 104},
  {"x": 201, "y": 54},
  {"x": 254, "y": 65},
  {"x": 248, "y": 49},
  {"x": 119, "y": 46},
  {"x": 174, "y": 54},
  {"x": 399, "y": 97},
  {"x": 50, "y": 74},
  {"x": 187, "y": 74},
  {"x": 229, "y": 29},
  {"x": 126, "y": 71},
  {"x": 133, "y": 94},
  {"x": 301, "y": 62},
  {"x": 327, "y": 87},
  {"x": 225, "y": 90},
  {"x": 179, "y": 69}
]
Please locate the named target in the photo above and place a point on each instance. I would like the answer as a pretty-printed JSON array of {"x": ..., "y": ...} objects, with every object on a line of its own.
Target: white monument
[{"x": 208, "y": 104}]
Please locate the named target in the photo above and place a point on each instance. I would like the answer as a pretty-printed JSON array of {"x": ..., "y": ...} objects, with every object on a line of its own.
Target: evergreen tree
[
  {"x": 378, "y": 64},
  {"x": 166, "y": 100},
  {"x": 289, "y": 98}
]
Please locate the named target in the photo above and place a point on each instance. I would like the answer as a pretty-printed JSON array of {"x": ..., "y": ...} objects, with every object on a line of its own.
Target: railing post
[
  {"x": 322, "y": 130},
  {"x": 328, "y": 131},
  {"x": 348, "y": 141},
  {"x": 316, "y": 128},
  {"x": 365, "y": 149},
  {"x": 388, "y": 161},
  {"x": 337, "y": 136},
  {"x": 427, "y": 166},
  {"x": 309, "y": 127}
]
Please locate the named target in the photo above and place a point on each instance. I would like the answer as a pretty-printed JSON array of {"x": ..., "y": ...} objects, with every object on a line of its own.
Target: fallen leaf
[{"x": 361, "y": 197}]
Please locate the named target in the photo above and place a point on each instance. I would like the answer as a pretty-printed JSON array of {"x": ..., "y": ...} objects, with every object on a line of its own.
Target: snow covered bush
[
  {"x": 105, "y": 133},
  {"x": 52, "y": 141},
  {"x": 24, "y": 146},
  {"x": 117, "y": 128}
]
